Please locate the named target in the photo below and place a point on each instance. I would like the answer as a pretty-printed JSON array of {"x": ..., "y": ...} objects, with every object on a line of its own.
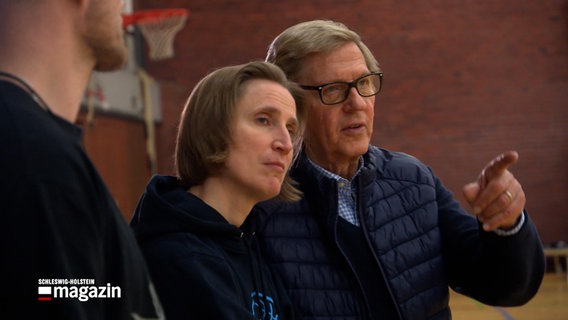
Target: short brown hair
[
  {"x": 204, "y": 134},
  {"x": 295, "y": 43}
]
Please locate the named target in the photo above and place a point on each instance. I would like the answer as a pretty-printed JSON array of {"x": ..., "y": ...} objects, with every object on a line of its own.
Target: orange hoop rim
[{"x": 152, "y": 15}]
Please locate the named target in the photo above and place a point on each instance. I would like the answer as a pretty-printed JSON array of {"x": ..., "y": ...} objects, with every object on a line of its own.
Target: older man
[{"x": 377, "y": 235}]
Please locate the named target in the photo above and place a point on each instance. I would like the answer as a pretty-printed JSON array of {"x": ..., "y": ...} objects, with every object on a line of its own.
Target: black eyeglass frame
[{"x": 352, "y": 84}]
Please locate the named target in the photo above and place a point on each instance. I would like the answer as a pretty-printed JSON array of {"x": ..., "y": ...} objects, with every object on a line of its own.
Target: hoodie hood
[{"x": 165, "y": 207}]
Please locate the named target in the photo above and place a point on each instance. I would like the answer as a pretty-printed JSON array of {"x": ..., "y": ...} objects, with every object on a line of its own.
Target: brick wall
[
  {"x": 117, "y": 147},
  {"x": 464, "y": 80}
]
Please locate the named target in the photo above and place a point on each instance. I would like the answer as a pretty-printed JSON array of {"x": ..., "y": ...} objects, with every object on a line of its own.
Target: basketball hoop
[{"x": 159, "y": 27}]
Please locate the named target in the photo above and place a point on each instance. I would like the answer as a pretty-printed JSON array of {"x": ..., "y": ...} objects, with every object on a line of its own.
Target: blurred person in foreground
[
  {"x": 237, "y": 138},
  {"x": 67, "y": 252},
  {"x": 377, "y": 235}
]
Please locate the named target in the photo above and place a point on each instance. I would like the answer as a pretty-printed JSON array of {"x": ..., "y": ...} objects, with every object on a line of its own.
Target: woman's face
[{"x": 260, "y": 150}]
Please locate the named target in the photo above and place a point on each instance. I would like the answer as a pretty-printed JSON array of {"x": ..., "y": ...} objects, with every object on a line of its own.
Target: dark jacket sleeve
[{"x": 493, "y": 269}]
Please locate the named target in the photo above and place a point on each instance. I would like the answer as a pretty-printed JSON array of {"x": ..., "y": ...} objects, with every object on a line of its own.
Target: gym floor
[{"x": 550, "y": 303}]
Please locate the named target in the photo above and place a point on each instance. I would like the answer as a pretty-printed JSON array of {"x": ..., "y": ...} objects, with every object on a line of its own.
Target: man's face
[
  {"x": 338, "y": 134},
  {"x": 103, "y": 34}
]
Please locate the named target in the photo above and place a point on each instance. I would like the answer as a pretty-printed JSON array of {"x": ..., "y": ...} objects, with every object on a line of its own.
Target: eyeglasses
[{"x": 337, "y": 92}]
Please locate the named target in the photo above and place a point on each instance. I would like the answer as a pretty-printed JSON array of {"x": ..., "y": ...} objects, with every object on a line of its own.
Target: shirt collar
[{"x": 328, "y": 174}]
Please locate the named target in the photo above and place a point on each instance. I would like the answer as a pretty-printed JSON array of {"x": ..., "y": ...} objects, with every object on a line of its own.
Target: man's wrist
[{"x": 514, "y": 230}]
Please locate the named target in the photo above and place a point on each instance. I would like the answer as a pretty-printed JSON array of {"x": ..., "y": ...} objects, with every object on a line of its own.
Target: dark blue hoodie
[{"x": 202, "y": 266}]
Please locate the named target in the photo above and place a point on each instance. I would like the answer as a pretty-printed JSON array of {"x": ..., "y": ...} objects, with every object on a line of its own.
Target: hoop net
[{"x": 158, "y": 27}]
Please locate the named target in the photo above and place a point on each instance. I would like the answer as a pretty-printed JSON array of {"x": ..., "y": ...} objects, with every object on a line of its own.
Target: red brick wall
[
  {"x": 464, "y": 80},
  {"x": 117, "y": 147}
]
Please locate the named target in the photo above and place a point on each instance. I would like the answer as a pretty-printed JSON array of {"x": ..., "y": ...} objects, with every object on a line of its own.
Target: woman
[{"x": 239, "y": 132}]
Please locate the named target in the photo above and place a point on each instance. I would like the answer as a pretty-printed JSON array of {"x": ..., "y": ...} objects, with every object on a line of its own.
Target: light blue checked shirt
[{"x": 346, "y": 192}]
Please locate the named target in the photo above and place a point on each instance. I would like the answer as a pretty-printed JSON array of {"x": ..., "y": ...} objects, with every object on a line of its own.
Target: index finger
[{"x": 498, "y": 165}]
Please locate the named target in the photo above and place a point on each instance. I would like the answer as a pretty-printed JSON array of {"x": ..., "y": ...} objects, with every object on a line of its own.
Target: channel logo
[{"x": 81, "y": 289}]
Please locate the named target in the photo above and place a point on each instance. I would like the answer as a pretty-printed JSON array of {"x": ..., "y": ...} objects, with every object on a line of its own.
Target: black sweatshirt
[
  {"x": 60, "y": 223},
  {"x": 202, "y": 266}
]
